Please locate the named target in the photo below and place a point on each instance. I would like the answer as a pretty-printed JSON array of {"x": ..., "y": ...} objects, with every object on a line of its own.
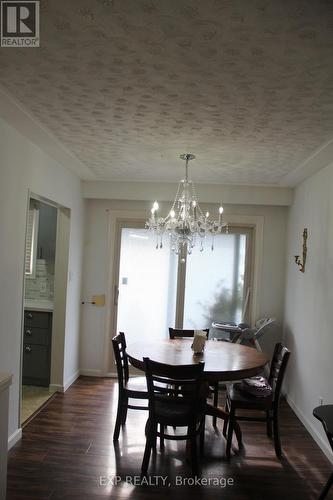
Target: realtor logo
[{"x": 19, "y": 24}]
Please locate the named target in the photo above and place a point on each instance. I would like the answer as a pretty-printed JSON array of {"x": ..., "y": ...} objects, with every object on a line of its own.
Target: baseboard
[
  {"x": 71, "y": 380},
  {"x": 68, "y": 383},
  {"x": 91, "y": 373},
  {"x": 322, "y": 443},
  {"x": 13, "y": 438},
  {"x": 56, "y": 387}
]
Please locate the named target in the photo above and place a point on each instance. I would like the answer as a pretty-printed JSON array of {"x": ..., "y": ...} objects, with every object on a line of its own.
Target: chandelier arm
[
  {"x": 173, "y": 204},
  {"x": 196, "y": 199}
]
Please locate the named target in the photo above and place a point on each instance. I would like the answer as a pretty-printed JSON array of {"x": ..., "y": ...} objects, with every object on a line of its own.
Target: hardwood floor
[{"x": 67, "y": 452}]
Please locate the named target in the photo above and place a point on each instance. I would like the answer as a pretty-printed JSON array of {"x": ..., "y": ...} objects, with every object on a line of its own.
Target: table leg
[{"x": 218, "y": 412}]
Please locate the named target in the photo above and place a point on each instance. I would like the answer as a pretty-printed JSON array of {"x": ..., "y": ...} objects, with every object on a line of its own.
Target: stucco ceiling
[{"x": 127, "y": 86}]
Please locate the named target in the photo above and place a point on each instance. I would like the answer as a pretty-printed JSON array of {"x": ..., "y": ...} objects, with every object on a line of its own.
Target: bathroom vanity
[{"x": 37, "y": 338}]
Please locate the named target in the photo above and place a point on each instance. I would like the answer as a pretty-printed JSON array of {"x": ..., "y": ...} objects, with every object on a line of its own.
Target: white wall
[
  {"x": 24, "y": 166},
  {"x": 97, "y": 259},
  {"x": 309, "y": 300}
]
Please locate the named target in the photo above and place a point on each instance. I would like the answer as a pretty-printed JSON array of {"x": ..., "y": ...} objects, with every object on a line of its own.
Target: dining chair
[
  {"x": 324, "y": 414},
  {"x": 175, "y": 333},
  {"x": 128, "y": 387},
  {"x": 239, "y": 399},
  {"x": 177, "y": 398}
]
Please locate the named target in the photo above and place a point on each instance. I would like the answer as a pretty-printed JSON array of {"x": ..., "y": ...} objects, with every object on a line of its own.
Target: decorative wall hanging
[{"x": 299, "y": 262}]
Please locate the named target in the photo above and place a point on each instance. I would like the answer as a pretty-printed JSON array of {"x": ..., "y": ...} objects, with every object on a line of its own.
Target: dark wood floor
[{"x": 67, "y": 451}]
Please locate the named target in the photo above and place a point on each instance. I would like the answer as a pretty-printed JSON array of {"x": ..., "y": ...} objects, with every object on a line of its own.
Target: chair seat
[
  {"x": 241, "y": 399},
  {"x": 170, "y": 411},
  {"x": 137, "y": 387},
  {"x": 178, "y": 412}
]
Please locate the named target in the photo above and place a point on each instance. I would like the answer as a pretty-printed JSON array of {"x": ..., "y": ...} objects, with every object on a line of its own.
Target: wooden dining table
[{"x": 224, "y": 361}]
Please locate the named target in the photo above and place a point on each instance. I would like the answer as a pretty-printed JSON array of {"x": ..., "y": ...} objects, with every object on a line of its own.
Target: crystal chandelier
[{"x": 186, "y": 224}]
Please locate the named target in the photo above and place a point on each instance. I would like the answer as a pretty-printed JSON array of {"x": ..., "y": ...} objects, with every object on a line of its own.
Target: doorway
[
  {"x": 45, "y": 285},
  {"x": 155, "y": 289}
]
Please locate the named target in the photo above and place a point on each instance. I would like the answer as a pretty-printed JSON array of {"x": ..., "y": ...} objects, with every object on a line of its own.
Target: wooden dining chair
[
  {"x": 176, "y": 333},
  {"x": 239, "y": 399},
  {"x": 128, "y": 387},
  {"x": 324, "y": 414},
  {"x": 177, "y": 398}
]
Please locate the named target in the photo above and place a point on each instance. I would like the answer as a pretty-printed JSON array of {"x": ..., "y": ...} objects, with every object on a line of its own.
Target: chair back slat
[
  {"x": 175, "y": 333},
  {"x": 119, "y": 349},
  {"x": 174, "y": 384},
  {"x": 278, "y": 368}
]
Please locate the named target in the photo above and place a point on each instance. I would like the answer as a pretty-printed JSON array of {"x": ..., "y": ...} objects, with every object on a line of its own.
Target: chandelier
[{"x": 185, "y": 223}]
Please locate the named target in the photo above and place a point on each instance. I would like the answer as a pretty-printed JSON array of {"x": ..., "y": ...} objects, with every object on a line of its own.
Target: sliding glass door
[
  {"x": 214, "y": 283},
  {"x": 155, "y": 289}
]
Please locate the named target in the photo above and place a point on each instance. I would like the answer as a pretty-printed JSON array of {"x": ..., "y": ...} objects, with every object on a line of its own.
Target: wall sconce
[{"x": 299, "y": 262}]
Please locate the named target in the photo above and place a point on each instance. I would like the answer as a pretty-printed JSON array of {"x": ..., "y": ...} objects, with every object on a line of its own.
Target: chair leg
[
  {"x": 276, "y": 432},
  {"x": 124, "y": 410},
  {"x": 215, "y": 401},
  {"x": 151, "y": 438},
  {"x": 226, "y": 420},
  {"x": 230, "y": 432},
  {"x": 194, "y": 454},
  {"x": 327, "y": 487},
  {"x": 162, "y": 436},
  {"x": 238, "y": 433},
  {"x": 118, "y": 418},
  {"x": 202, "y": 437},
  {"x": 268, "y": 424}
]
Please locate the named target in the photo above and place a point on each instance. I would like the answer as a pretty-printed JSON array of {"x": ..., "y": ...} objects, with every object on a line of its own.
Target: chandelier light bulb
[
  {"x": 172, "y": 213},
  {"x": 207, "y": 215},
  {"x": 194, "y": 203},
  {"x": 221, "y": 210},
  {"x": 155, "y": 206}
]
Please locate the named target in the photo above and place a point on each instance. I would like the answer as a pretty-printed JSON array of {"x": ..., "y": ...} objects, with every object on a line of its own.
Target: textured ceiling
[{"x": 129, "y": 85}]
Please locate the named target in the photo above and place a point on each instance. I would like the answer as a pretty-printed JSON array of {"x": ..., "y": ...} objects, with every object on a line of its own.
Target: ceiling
[{"x": 127, "y": 86}]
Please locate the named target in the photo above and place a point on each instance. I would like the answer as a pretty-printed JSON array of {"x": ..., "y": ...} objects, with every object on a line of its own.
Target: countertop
[
  {"x": 38, "y": 305},
  {"x": 5, "y": 381}
]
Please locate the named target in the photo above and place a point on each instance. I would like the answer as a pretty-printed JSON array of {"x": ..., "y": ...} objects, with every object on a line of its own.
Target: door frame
[
  {"x": 120, "y": 224},
  {"x": 60, "y": 296},
  {"x": 116, "y": 216}
]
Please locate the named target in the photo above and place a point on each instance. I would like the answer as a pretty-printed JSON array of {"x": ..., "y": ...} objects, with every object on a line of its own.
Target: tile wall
[{"x": 42, "y": 286}]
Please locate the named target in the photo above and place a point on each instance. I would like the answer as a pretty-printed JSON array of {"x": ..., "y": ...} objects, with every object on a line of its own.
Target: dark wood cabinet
[{"x": 37, "y": 348}]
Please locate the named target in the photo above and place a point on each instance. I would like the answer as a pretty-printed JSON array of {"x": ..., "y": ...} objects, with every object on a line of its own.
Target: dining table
[{"x": 224, "y": 361}]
